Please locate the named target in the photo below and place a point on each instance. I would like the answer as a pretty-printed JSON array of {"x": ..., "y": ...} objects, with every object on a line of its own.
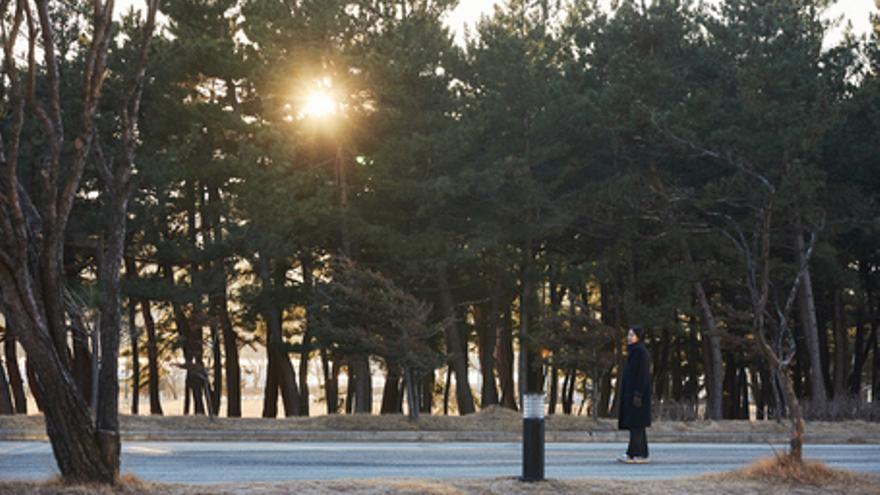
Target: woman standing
[{"x": 635, "y": 401}]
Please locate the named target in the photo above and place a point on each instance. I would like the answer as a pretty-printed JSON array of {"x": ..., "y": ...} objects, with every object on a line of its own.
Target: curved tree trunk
[{"x": 69, "y": 424}]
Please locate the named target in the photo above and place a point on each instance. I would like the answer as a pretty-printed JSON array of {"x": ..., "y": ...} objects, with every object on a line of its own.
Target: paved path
[{"x": 220, "y": 462}]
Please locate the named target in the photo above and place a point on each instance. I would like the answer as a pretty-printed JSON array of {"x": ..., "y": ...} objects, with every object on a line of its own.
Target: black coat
[{"x": 636, "y": 382}]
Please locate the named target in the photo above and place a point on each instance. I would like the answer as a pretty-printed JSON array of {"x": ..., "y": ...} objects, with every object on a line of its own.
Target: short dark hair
[{"x": 639, "y": 331}]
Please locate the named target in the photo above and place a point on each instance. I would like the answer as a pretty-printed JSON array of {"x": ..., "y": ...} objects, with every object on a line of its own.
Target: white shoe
[
  {"x": 640, "y": 460},
  {"x": 625, "y": 459}
]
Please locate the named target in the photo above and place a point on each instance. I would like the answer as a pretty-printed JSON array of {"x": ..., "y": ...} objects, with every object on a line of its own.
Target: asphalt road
[{"x": 221, "y": 462}]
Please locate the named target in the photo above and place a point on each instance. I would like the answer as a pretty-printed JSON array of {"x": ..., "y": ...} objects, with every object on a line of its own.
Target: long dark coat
[{"x": 636, "y": 381}]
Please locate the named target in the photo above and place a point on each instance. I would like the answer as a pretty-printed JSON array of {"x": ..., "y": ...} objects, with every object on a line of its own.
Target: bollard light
[{"x": 533, "y": 437}]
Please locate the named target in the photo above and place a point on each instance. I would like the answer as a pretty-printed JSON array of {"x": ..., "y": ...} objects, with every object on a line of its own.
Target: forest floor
[{"x": 491, "y": 424}]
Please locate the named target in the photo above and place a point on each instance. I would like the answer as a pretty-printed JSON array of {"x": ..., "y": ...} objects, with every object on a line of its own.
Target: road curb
[{"x": 192, "y": 435}]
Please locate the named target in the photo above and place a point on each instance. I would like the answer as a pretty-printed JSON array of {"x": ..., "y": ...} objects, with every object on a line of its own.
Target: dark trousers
[{"x": 638, "y": 443}]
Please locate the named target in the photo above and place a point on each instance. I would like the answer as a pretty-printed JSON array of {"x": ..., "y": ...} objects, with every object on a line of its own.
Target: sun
[{"x": 319, "y": 104}]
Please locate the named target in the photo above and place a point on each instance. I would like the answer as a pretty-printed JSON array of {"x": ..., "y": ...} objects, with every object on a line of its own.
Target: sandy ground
[{"x": 705, "y": 485}]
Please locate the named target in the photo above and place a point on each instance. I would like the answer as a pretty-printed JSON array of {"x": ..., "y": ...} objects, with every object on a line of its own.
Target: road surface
[{"x": 222, "y": 462}]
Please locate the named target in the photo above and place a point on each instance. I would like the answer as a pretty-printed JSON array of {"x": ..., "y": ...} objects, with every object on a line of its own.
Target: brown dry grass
[
  {"x": 733, "y": 484},
  {"x": 784, "y": 469}
]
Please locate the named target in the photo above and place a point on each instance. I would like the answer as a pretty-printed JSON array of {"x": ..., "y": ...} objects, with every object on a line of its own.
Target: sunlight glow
[{"x": 319, "y": 104}]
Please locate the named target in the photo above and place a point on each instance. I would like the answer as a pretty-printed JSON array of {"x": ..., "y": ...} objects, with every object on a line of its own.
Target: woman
[{"x": 635, "y": 401}]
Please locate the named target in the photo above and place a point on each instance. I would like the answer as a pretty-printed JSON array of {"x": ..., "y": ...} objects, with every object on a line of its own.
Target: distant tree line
[{"x": 710, "y": 172}]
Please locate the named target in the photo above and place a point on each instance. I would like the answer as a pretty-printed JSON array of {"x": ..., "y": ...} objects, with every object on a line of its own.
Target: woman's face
[{"x": 631, "y": 337}]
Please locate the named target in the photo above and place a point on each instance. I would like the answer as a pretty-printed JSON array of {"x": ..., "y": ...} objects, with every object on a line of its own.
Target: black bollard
[{"x": 533, "y": 438}]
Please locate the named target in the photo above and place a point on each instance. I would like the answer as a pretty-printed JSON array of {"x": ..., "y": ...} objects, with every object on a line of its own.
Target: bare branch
[
  {"x": 726, "y": 157},
  {"x": 802, "y": 270},
  {"x": 51, "y": 67},
  {"x": 93, "y": 78}
]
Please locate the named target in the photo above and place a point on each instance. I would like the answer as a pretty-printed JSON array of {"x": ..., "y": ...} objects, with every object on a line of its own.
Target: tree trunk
[
  {"x": 729, "y": 385},
  {"x": 875, "y": 379},
  {"x": 304, "y": 395},
  {"x": 504, "y": 360},
  {"x": 270, "y": 393},
  {"x": 286, "y": 379},
  {"x": 610, "y": 302},
  {"x": 710, "y": 330},
  {"x": 230, "y": 350},
  {"x": 331, "y": 382},
  {"x": 109, "y": 291},
  {"x": 446, "y": 386},
  {"x": 426, "y": 399},
  {"x": 220, "y": 306},
  {"x": 531, "y": 370},
  {"x": 391, "y": 392},
  {"x": 661, "y": 367},
  {"x": 568, "y": 388},
  {"x": 855, "y": 376},
  {"x": 796, "y": 443},
  {"x": 15, "y": 381},
  {"x": 152, "y": 358},
  {"x": 305, "y": 354},
  {"x": 133, "y": 334},
  {"x": 363, "y": 385},
  {"x": 807, "y": 305},
  {"x": 487, "y": 325},
  {"x": 82, "y": 355},
  {"x": 456, "y": 348},
  {"x": 412, "y": 397},
  {"x": 762, "y": 410},
  {"x": 217, "y": 389},
  {"x": 743, "y": 394},
  {"x": 841, "y": 347},
  {"x": 675, "y": 371},
  {"x": 606, "y": 389},
  {"x": 33, "y": 383},
  {"x": 5, "y": 395},
  {"x": 197, "y": 374},
  {"x": 135, "y": 357},
  {"x": 278, "y": 359}
]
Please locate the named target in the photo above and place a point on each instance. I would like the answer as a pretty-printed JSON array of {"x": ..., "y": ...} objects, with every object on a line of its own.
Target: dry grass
[
  {"x": 127, "y": 485},
  {"x": 784, "y": 469},
  {"x": 781, "y": 474},
  {"x": 717, "y": 485}
]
